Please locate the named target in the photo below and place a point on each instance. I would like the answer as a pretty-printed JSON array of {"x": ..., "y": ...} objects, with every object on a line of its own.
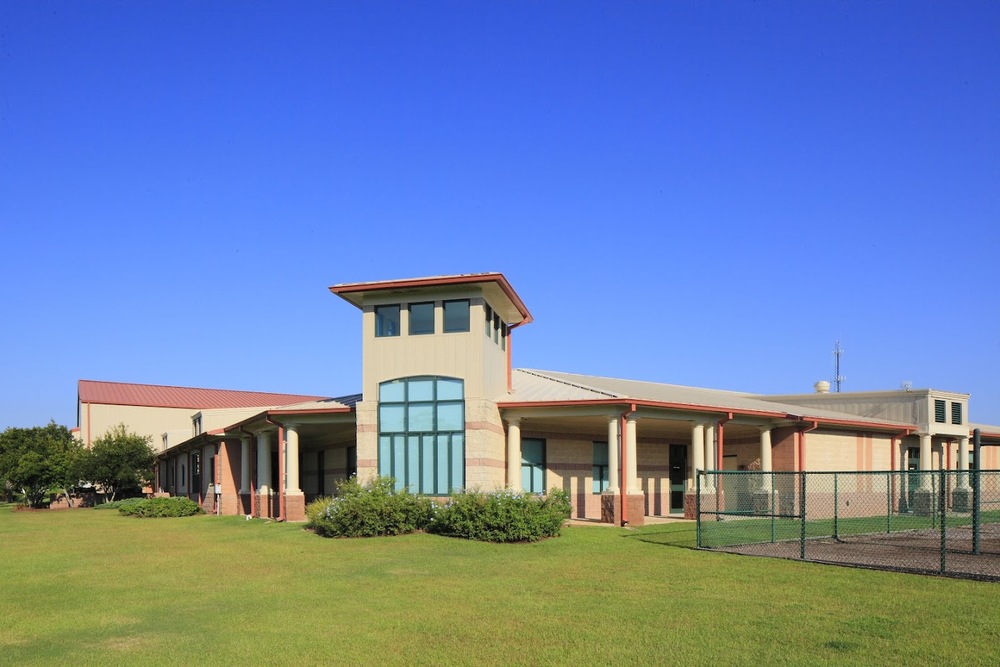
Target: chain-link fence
[{"x": 941, "y": 522}]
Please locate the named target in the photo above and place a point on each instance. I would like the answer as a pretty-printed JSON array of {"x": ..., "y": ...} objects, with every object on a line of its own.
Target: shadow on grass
[{"x": 683, "y": 536}]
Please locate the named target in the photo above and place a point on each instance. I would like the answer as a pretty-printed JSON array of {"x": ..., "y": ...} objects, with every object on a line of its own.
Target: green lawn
[{"x": 92, "y": 587}]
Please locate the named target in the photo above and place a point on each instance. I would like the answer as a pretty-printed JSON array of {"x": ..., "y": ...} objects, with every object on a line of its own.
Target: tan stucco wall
[
  {"x": 97, "y": 418},
  {"x": 470, "y": 355}
]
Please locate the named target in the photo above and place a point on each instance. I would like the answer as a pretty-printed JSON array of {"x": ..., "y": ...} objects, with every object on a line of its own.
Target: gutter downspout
[
  {"x": 802, "y": 443},
  {"x": 510, "y": 367},
  {"x": 282, "y": 482},
  {"x": 622, "y": 461}
]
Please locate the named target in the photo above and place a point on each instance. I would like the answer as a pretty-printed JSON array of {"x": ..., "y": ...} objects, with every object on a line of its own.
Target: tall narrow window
[
  {"x": 489, "y": 320},
  {"x": 387, "y": 321},
  {"x": 421, "y": 318},
  {"x": 421, "y": 424},
  {"x": 352, "y": 461},
  {"x": 456, "y": 315},
  {"x": 939, "y": 411},
  {"x": 956, "y": 413},
  {"x": 600, "y": 466},
  {"x": 533, "y": 465},
  {"x": 195, "y": 473}
]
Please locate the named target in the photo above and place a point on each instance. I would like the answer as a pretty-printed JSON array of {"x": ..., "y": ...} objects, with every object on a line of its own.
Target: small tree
[
  {"x": 34, "y": 460},
  {"x": 119, "y": 462}
]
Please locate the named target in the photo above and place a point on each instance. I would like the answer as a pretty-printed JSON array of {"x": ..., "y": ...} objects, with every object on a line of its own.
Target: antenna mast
[{"x": 838, "y": 352}]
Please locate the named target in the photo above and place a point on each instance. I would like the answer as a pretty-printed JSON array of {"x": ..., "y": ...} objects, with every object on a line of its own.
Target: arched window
[{"x": 421, "y": 433}]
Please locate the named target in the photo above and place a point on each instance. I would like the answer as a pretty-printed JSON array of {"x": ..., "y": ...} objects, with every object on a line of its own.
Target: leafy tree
[
  {"x": 120, "y": 462},
  {"x": 35, "y": 460}
]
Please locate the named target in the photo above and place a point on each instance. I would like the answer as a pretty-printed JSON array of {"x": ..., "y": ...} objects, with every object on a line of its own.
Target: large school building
[{"x": 442, "y": 408}]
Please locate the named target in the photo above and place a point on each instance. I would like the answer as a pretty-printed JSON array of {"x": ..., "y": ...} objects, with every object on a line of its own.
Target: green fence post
[
  {"x": 977, "y": 490},
  {"x": 697, "y": 512},
  {"x": 888, "y": 502},
  {"x": 934, "y": 493},
  {"x": 944, "y": 529},
  {"x": 836, "y": 507},
  {"x": 802, "y": 511},
  {"x": 774, "y": 511}
]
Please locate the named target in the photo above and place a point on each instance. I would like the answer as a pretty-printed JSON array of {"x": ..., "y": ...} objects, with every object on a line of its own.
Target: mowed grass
[{"x": 92, "y": 587}]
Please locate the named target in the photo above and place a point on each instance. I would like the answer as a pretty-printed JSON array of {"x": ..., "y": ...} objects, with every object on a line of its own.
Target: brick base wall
[
  {"x": 295, "y": 507},
  {"x": 611, "y": 509}
]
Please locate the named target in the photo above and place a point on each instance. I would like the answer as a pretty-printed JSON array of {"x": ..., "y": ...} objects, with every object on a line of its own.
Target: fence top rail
[{"x": 842, "y": 472}]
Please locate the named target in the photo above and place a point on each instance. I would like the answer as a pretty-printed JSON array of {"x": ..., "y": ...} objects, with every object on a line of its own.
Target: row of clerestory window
[{"x": 455, "y": 318}]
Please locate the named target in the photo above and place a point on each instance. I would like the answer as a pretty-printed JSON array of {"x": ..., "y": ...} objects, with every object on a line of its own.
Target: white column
[
  {"x": 613, "y": 469},
  {"x": 631, "y": 468},
  {"x": 697, "y": 452},
  {"x": 710, "y": 462},
  {"x": 264, "y": 462},
  {"x": 245, "y": 464},
  {"x": 292, "y": 460},
  {"x": 514, "y": 454},
  {"x": 925, "y": 460},
  {"x": 963, "y": 463}
]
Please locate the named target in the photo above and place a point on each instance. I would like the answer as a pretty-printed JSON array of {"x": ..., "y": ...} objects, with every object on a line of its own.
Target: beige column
[
  {"x": 697, "y": 453},
  {"x": 613, "y": 469},
  {"x": 963, "y": 463},
  {"x": 264, "y": 462},
  {"x": 765, "y": 457},
  {"x": 925, "y": 460},
  {"x": 710, "y": 462},
  {"x": 245, "y": 464},
  {"x": 292, "y": 460},
  {"x": 631, "y": 467},
  {"x": 514, "y": 454}
]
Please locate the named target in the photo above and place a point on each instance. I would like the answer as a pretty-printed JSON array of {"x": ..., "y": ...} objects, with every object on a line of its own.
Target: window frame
[
  {"x": 380, "y": 331},
  {"x": 466, "y": 325},
  {"x": 541, "y": 466},
  {"x": 409, "y": 326},
  {"x": 601, "y": 476},
  {"x": 439, "y": 467},
  {"x": 956, "y": 413}
]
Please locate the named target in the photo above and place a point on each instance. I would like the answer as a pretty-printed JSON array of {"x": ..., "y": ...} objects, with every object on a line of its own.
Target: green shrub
[
  {"x": 118, "y": 504},
  {"x": 367, "y": 510},
  {"x": 160, "y": 507},
  {"x": 502, "y": 516}
]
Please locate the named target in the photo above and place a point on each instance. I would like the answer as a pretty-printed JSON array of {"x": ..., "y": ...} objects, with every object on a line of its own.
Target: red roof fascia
[{"x": 434, "y": 281}]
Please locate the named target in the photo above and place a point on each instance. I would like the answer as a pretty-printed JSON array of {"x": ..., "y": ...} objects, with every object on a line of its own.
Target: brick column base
[
  {"x": 229, "y": 504},
  {"x": 690, "y": 506},
  {"x": 265, "y": 506},
  {"x": 295, "y": 507},
  {"x": 611, "y": 509}
]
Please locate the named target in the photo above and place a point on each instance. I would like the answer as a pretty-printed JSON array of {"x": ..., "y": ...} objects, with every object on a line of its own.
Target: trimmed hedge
[
  {"x": 368, "y": 510},
  {"x": 160, "y": 507},
  {"x": 376, "y": 508},
  {"x": 117, "y": 504},
  {"x": 502, "y": 516}
]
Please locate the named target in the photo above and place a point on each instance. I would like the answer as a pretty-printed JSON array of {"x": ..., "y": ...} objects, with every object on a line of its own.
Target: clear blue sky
[{"x": 701, "y": 193}]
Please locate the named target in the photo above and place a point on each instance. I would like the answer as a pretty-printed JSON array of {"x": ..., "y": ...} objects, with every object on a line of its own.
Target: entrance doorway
[{"x": 678, "y": 477}]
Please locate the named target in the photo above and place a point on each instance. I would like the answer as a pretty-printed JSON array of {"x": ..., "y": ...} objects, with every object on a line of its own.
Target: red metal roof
[{"x": 159, "y": 396}]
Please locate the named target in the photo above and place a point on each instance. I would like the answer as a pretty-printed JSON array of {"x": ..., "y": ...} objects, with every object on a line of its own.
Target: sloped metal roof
[
  {"x": 341, "y": 403},
  {"x": 534, "y": 386},
  {"x": 161, "y": 396}
]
